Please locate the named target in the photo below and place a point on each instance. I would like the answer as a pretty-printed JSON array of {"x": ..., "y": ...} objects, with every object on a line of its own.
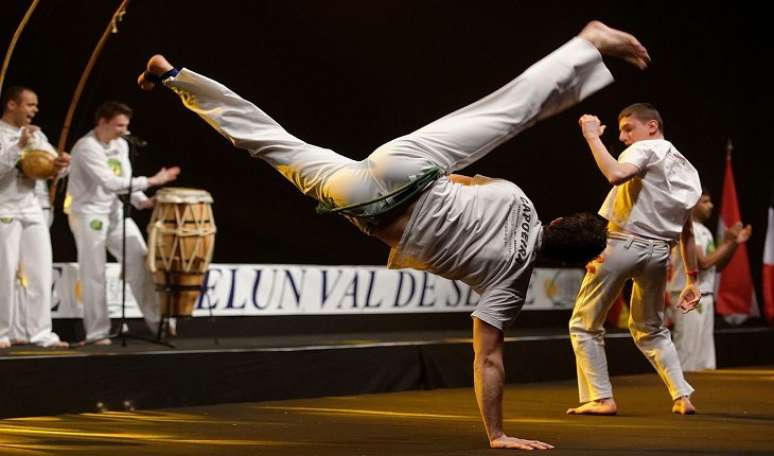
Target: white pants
[
  {"x": 25, "y": 308},
  {"x": 94, "y": 233},
  {"x": 694, "y": 335},
  {"x": 20, "y": 330},
  {"x": 645, "y": 262},
  {"x": 558, "y": 81}
]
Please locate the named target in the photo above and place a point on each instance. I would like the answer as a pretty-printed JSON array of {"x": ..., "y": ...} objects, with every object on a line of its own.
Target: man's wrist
[{"x": 692, "y": 276}]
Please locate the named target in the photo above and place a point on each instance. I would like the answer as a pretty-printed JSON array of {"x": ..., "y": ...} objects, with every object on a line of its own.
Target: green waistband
[{"x": 371, "y": 211}]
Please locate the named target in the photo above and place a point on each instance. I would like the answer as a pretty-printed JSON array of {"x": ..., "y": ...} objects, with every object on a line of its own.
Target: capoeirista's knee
[
  {"x": 644, "y": 335},
  {"x": 580, "y": 327},
  {"x": 486, "y": 361}
]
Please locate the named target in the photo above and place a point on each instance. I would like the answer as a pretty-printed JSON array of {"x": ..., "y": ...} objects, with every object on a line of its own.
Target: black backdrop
[{"x": 351, "y": 75}]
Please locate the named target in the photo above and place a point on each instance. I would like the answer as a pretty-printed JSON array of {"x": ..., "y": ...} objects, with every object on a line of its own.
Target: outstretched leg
[
  {"x": 317, "y": 172},
  {"x": 558, "y": 81}
]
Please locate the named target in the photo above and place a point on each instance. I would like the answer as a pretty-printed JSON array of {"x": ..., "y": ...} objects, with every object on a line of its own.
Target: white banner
[{"x": 251, "y": 290}]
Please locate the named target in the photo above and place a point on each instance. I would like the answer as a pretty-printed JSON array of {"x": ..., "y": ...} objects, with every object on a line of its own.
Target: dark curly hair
[{"x": 574, "y": 239}]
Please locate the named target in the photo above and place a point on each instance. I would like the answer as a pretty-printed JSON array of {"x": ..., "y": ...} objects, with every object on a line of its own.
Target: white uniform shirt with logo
[
  {"x": 485, "y": 234},
  {"x": 99, "y": 172},
  {"x": 18, "y": 193},
  {"x": 656, "y": 203},
  {"x": 706, "y": 243}
]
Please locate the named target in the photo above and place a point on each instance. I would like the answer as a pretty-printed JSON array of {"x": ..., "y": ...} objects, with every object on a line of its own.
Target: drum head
[{"x": 180, "y": 195}]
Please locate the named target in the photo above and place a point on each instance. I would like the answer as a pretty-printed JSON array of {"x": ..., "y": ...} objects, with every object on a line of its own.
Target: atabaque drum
[{"x": 181, "y": 238}]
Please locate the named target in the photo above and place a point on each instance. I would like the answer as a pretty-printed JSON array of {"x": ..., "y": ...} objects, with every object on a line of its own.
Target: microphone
[{"x": 135, "y": 141}]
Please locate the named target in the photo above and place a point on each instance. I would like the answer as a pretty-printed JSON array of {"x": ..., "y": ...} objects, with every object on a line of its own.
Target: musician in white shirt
[
  {"x": 100, "y": 172},
  {"x": 25, "y": 242}
]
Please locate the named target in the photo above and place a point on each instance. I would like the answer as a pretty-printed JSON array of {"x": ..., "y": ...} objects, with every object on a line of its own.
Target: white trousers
[
  {"x": 21, "y": 330},
  {"x": 94, "y": 234},
  {"x": 644, "y": 261},
  {"x": 556, "y": 82},
  {"x": 693, "y": 334},
  {"x": 25, "y": 308}
]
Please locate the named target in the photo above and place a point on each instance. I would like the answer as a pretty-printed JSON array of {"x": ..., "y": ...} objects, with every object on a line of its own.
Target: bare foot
[
  {"x": 51, "y": 340},
  {"x": 57, "y": 344},
  {"x": 522, "y": 444},
  {"x": 157, "y": 65},
  {"x": 601, "y": 407},
  {"x": 616, "y": 43},
  {"x": 172, "y": 329},
  {"x": 683, "y": 406}
]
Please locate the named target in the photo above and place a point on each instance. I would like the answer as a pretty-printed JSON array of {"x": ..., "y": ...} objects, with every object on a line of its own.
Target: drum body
[{"x": 181, "y": 239}]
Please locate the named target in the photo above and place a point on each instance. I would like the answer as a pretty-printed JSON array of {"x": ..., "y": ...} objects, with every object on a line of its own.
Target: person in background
[
  {"x": 693, "y": 332},
  {"x": 25, "y": 242},
  {"x": 100, "y": 173}
]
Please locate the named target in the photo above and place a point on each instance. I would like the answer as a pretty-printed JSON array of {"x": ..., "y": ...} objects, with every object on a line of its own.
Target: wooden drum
[{"x": 181, "y": 238}]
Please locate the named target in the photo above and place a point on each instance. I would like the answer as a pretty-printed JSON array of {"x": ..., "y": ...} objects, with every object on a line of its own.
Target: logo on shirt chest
[{"x": 115, "y": 166}]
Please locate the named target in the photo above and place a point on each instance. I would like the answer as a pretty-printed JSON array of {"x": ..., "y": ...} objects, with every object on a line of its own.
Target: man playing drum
[
  {"x": 482, "y": 231},
  {"x": 100, "y": 171}
]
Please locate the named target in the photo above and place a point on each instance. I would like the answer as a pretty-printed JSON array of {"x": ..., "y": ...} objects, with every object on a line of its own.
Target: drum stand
[
  {"x": 123, "y": 330},
  {"x": 171, "y": 290}
]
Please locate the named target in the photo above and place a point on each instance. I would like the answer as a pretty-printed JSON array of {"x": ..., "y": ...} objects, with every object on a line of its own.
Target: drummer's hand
[
  {"x": 26, "y": 134},
  {"x": 163, "y": 176},
  {"x": 62, "y": 161},
  {"x": 147, "y": 204}
]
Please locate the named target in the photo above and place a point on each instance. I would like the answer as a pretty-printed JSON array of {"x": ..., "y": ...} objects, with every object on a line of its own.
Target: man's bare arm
[
  {"x": 616, "y": 173},
  {"x": 689, "y": 297},
  {"x": 734, "y": 236},
  {"x": 489, "y": 378}
]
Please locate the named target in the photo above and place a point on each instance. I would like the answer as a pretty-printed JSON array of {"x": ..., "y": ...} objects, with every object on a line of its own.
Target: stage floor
[
  {"x": 736, "y": 417},
  {"x": 284, "y": 342}
]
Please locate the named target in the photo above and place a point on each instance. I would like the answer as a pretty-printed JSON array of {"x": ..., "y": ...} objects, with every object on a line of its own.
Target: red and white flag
[
  {"x": 735, "y": 297},
  {"x": 768, "y": 266}
]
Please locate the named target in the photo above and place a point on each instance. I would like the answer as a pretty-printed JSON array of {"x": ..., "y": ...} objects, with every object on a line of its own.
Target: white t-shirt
[
  {"x": 704, "y": 242},
  {"x": 18, "y": 193},
  {"x": 98, "y": 173},
  {"x": 485, "y": 235},
  {"x": 656, "y": 202}
]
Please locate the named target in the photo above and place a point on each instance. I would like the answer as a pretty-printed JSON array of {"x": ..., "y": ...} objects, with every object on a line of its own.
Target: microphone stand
[{"x": 127, "y": 208}]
